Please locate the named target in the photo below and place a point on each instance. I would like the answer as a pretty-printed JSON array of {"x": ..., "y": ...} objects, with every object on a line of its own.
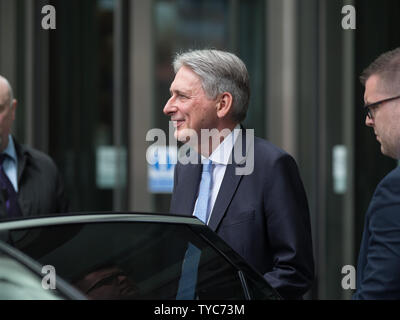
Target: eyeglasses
[{"x": 369, "y": 107}]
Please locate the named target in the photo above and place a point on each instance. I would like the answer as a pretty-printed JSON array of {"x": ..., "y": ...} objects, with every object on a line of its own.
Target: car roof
[{"x": 89, "y": 217}]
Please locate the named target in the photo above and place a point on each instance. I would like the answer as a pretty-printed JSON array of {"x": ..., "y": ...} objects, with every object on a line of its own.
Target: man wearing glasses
[{"x": 378, "y": 270}]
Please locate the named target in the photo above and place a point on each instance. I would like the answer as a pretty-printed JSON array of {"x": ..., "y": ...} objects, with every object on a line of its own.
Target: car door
[{"x": 148, "y": 258}]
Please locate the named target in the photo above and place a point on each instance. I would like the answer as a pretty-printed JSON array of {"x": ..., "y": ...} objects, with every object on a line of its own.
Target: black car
[{"x": 134, "y": 256}]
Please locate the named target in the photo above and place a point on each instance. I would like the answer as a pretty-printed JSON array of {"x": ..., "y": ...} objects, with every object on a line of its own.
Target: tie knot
[{"x": 207, "y": 165}]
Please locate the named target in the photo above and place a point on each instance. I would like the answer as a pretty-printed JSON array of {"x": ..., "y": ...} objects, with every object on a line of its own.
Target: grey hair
[
  {"x": 10, "y": 90},
  {"x": 220, "y": 72},
  {"x": 387, "y": 67}
]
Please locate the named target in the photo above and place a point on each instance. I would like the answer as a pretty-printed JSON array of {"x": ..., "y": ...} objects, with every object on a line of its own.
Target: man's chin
[
  {"x": 389, "y": 153},
  {"x": 383, "y": 151},
  {"x": 186, "y": 135}
]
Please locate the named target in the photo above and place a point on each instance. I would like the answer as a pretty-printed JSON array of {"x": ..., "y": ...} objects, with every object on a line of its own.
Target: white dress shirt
[{"x": 220, "y": 159}]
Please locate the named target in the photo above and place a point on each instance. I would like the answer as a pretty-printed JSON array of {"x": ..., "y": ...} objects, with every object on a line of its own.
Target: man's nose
[
  {"x": 169, "y": 107},
  {"x": 369, "y": 122}
]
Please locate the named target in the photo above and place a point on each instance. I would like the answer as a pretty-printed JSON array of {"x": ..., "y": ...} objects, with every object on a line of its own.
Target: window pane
[
  {"x": 17, "y": 282},
  {"x": 130, "y": 260},
  {"x": 81, "y": 117}
]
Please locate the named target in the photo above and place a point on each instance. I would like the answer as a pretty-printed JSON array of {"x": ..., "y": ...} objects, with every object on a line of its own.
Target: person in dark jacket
[
  {"x": 30, "y": 183},
  {"x": 378, "y": 275},
  {"x": 254, "y": 201}
]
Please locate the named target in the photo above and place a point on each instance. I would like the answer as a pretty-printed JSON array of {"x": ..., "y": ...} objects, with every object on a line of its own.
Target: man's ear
[
  {"x": 224, "y": 105},
  {"x": 13, "y": 108}
]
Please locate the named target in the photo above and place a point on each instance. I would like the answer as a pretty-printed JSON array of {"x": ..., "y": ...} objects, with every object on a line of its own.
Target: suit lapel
[
  {"x": 229, "y": 183},
  {"x": 225, "y": 195},
  {"x": 187, "y": 188},
  {"x": 21, "y": 155}
]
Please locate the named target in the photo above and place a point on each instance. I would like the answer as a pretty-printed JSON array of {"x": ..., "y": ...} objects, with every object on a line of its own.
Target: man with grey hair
[
  {"x": 261, "y": 213},
  {"x": 378, "y": 275},
  {"x": 30, "y": 183}
]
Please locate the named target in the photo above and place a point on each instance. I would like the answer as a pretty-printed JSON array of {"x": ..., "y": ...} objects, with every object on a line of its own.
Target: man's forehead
[
  {"x": 373, "y": 81},
  {"x": 186, "y": 77},
  {"x": 374, "y": 87}
]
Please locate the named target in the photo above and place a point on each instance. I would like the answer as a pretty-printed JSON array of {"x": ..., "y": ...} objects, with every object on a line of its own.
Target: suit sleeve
[
  {"x": 381, "y": 276},
  {"x": 289, "y": 230}
]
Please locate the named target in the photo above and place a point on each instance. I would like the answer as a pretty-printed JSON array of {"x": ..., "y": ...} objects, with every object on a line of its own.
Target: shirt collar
[
  {"x": 223, "y": 152},
  {"x": 10, "y": 150}
]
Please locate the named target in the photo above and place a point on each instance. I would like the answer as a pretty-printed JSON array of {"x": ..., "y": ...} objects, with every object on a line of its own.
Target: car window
[{"x": 132, "y": 260}]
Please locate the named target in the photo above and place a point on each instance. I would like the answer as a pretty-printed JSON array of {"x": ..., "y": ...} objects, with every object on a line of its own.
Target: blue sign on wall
[{"x": 161, "y": 164}]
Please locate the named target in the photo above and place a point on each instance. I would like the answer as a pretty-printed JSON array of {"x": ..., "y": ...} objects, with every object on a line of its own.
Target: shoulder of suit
[
  {"x": 264, "y": 149},
  {"x": 37, "y": 157},
  {"x": 386, "y": 198},
  {"x": 391, "y": 181}
]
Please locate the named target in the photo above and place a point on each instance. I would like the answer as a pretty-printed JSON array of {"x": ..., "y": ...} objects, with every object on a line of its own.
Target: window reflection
[
  {"x": 108, "y": 283},
  {"x": 130, "y": 260}
]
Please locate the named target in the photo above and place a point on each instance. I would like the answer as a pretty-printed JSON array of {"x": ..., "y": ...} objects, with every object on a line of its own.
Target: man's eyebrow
[
  {"x": 177, "y": 91},
  {"x": 372, "y": 104}
]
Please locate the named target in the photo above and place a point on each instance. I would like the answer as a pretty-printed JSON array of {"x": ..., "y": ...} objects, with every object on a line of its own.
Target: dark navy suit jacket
[
  {"x": 40, "y": 188},
  {"x": 378, "y": 270},
  {"x": 263, "y": 216}
]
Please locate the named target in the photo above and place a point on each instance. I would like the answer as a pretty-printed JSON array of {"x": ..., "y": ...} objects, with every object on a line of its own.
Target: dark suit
[
  {"x": 378, "y": 270},
  {"x": 40, "y": 189},
  {"x": 264, "y": 216}
]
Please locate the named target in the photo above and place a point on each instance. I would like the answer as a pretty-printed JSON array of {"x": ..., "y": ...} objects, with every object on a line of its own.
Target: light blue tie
[
  {"x": 203, "y": 199},
  {"x": 188, "y": 280},
  {"x": 190, "y": 266}
]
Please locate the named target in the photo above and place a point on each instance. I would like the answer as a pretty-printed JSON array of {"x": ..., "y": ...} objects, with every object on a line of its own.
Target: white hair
[{"x": 220, "y": 71}]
